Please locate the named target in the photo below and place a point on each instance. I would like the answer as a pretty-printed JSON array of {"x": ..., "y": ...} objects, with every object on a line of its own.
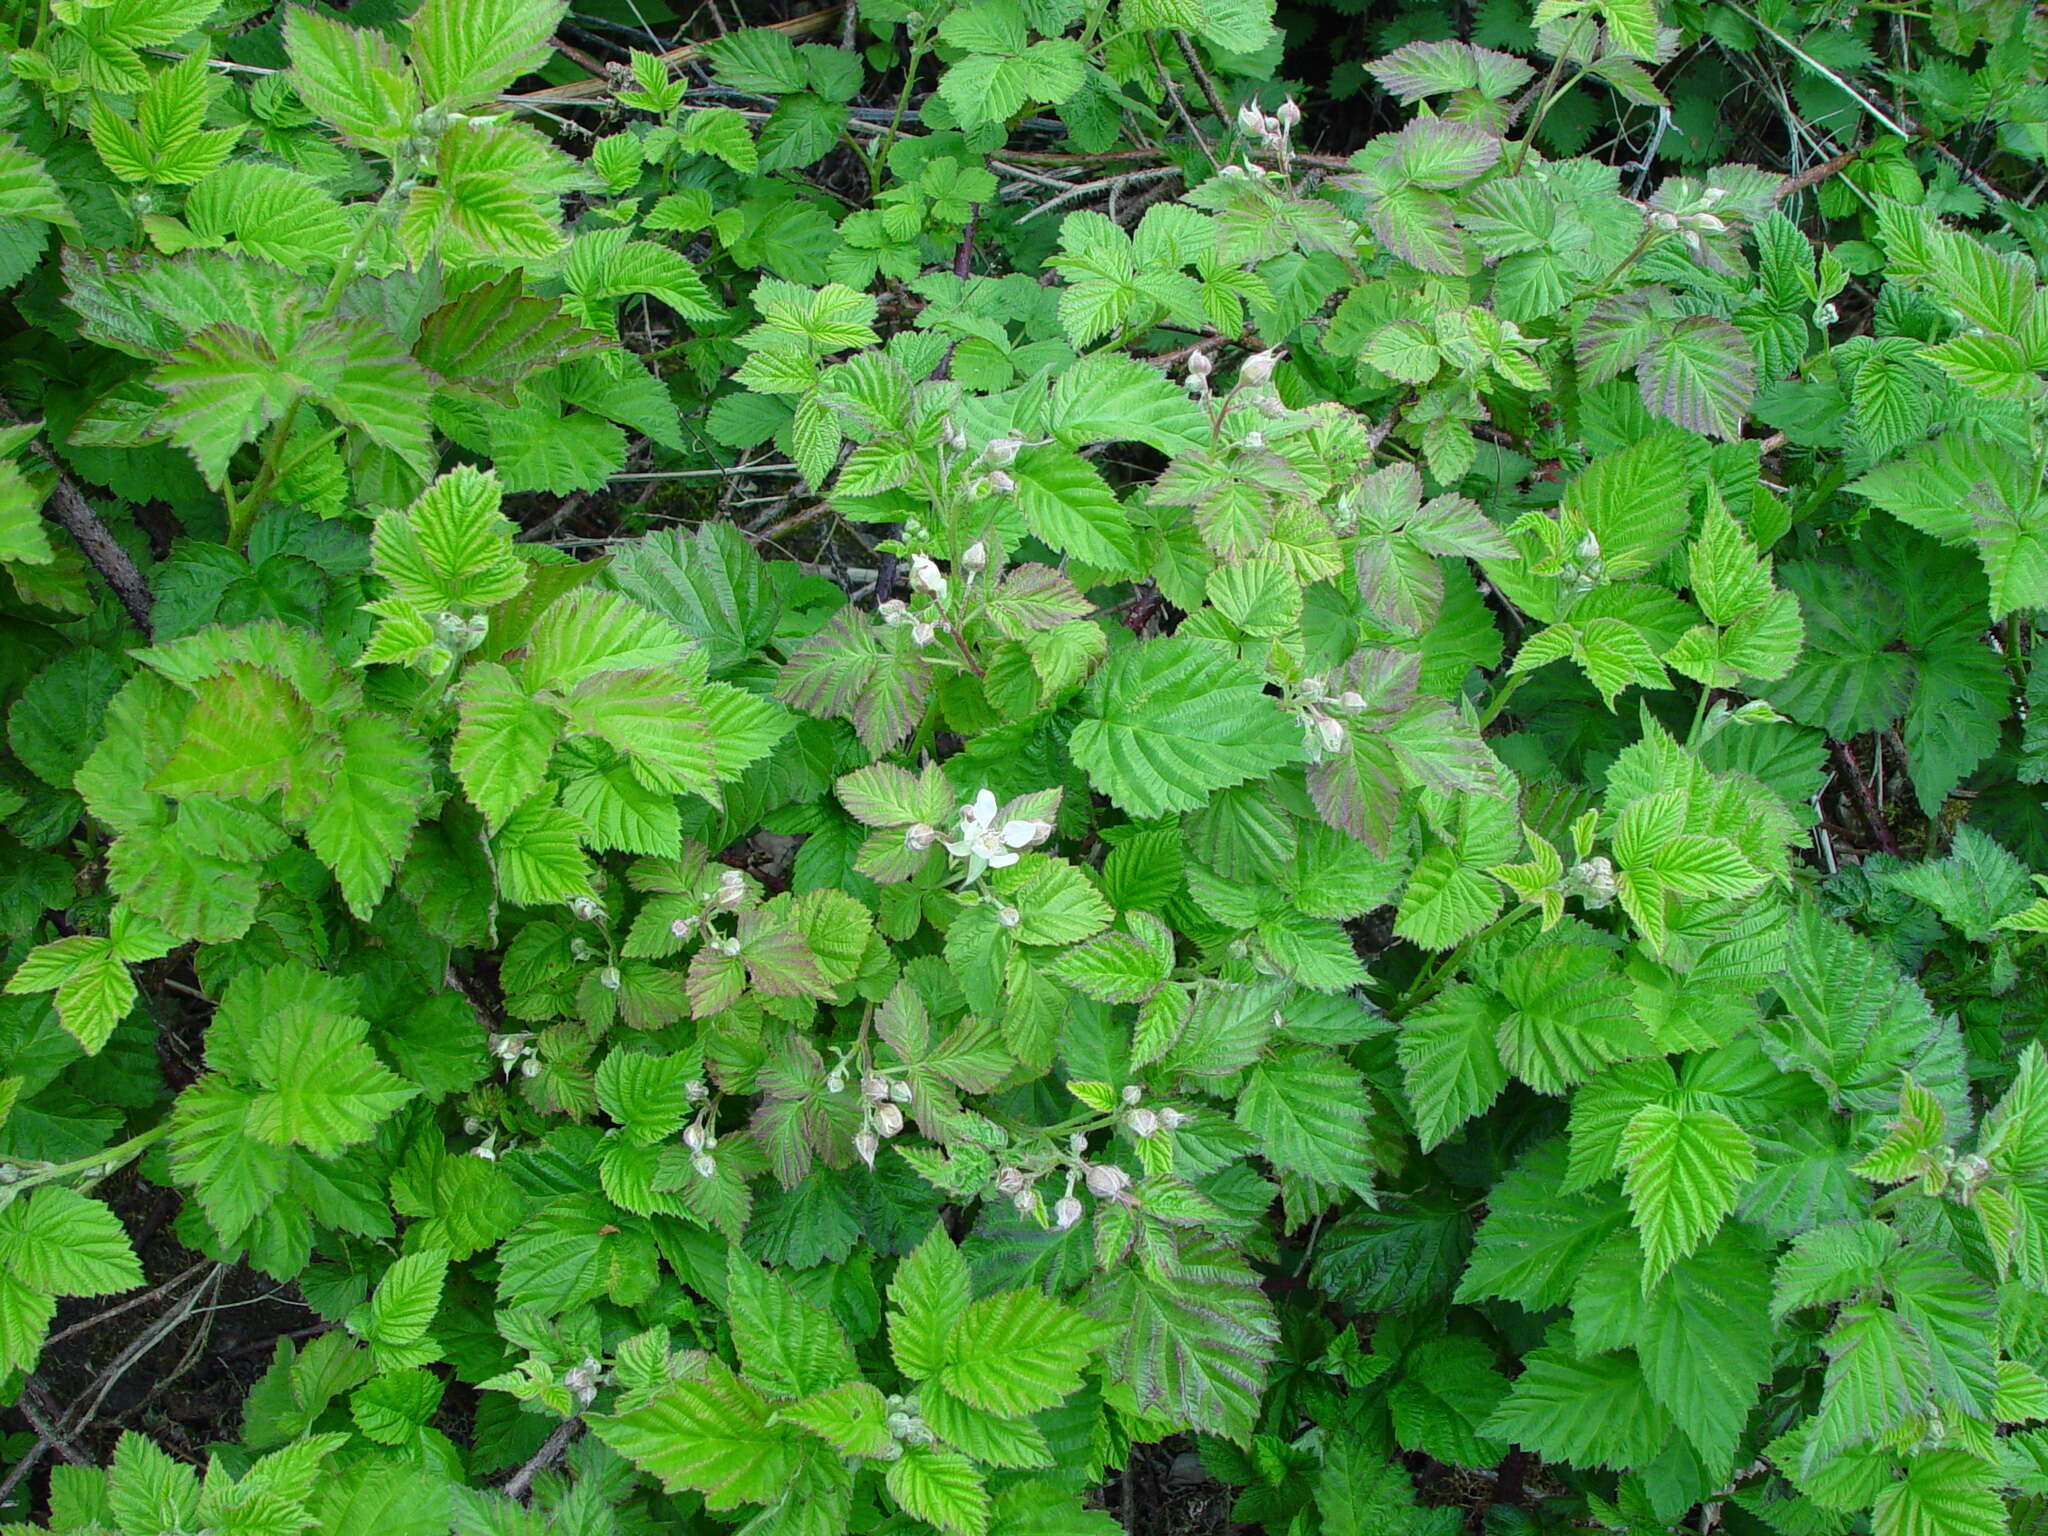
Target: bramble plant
[{"x": 1392, "y": 827}]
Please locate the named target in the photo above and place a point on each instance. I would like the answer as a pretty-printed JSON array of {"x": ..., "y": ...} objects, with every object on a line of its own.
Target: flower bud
[
  {"x": 895, "y": 611},
  {"x": 1143, "y": 1122},
  {"x": 1199, "y": 365},
  {"x": 609, "y": 978},
  {"x": 1331, "y": 733},
  {"x": 471, "y": 1126},
  {"x": 584, "y": 908},
  {"x": 1289, "y": 114},
  {"x": 1250, "y": 119},
  {"x": 888, "y": 1119},
  {"x": 923, "y": 632},
  {"x": 975, "y": 559},
  {"x": 1106, "y": 1180},
  {"x": 926, "y": 576},
  {"x": 874, "y": 1087},
  {"x": 900, "y": 1091},
  {"x": 703, "y": 1165},
  {"x": 866, "y": 1145},
  {"x": 1001, "y": 453},
  {"x": 1131, "y": 1094},
  {"x": 1255, "y": 439},
  {"x": 696, "y": 1091},
  {"x": 917, "y": 837},
  {"x": 1000, "y": 482},
  {"x": 530, "y": 1067},
  {"x": 1065, "y": 1213},
  {"x": 693, "y": 1137},
  {"x": 1024, "y": 1202},
  {"x": 732, "y": 889},
  {"x": 1010, "y": 1181},
  {"x": 1258, "y": 369},
  {"x": 1351, "y": 699},
  {"x": 683, "y": 927},
  {"x": 1077, "y": 1143},
  {"x": 835, "y": 1081},
  {"x": 1172, "y": 1119}
]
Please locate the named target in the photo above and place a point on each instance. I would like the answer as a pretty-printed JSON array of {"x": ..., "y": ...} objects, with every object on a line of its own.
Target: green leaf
[
  {"x": 363, "y": 825},
  {"x": 1015, "y": 1353},
  {"x": 55, "y": 1239},
  {"x": 785, "y": 1345},
  {"x": 1310, "y": 1112},
  {"x": 930, "y": 1292},
  {"x": 538, "y": 854},
  {"x": 318, "y": 1084},
  {"x": 712, "y": 1435},
  {"x": 351, "y": 77},
  {"x": 451, "y": 548},
  {"x": 467, "y": 51},
  {"x": 1070, "y": 506},
  {"x": 1450, "y": 1061},
  {"x": 1684, "y": 1168},
  {"x": 1943, "y": 1493},
  {"x": 1168, "y": 722},
  {"x": 502, "y": 741},
  {"x": 1699, "y": 374},
  {"x": 1591, "y": 1411},
  {"x": 1194, "y": 1341},
  {"x": 941, "y": 1488}
]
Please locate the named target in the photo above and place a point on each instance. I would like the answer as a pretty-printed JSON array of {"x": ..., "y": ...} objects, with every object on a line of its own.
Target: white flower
[
  {"x": 983, "y": 841},
  {"x": 926, "y": 576}
]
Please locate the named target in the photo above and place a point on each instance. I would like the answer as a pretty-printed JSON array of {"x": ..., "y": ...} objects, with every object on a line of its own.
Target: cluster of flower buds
[
  {"x": 1272, "y": 134},
  {"x": 702, "y": 1141},
  {"x": 896, "y": 612},
  {"x": 881, "y": 1111},
  {"x": 1592, "y": 881},
  {"x": 582, "y": 1380},
  {"x": 1584, "y": 569},
  {"x": 458, "y": 634},
  {"x": 487, "y": 1149},
  {"x": 905, "y": 1424},
  {"x": 1693, "y": 221},
  {"x": 515, "y": 1053},
  {"x": 1142, "y": 1121}
]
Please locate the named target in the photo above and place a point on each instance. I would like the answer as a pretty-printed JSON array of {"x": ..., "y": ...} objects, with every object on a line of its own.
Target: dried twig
[
  {"x": 69, "y": 507},
  {"x": 520, "y": 1483},
  {"x": 1859, "y": 789},
  {"x": 579, "y": 91}
]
